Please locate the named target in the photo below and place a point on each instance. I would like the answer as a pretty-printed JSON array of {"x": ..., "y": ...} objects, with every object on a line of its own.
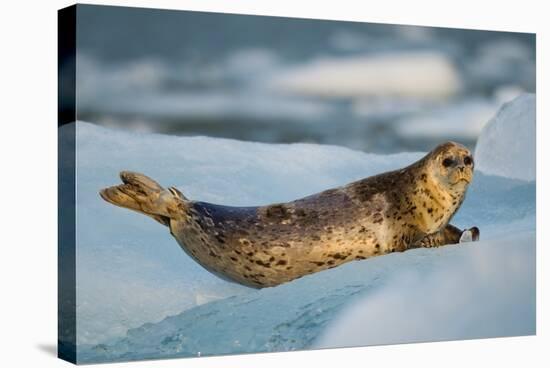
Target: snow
[
  {"x": 139, "y": 295},
  {"x": 421, "y": 74},
  {"x": 507, "y": 144}
]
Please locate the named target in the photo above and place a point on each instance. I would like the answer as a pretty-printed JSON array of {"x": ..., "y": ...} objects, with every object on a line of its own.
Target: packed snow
[{"x": 140, "y": 296}]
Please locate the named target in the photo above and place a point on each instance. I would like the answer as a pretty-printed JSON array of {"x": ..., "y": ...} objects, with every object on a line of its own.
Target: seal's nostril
[{"x": 468, "y": 160}]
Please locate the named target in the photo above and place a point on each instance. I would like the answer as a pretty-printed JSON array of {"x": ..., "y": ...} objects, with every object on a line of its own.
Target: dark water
[{"x": 193, "y": 73}]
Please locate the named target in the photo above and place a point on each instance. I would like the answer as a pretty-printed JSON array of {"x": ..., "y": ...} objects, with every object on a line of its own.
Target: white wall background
[{"x": 28, "y": 317}]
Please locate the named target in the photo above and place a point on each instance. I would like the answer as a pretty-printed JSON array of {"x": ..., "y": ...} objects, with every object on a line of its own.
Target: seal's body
[{"x": 268, "y": 245}]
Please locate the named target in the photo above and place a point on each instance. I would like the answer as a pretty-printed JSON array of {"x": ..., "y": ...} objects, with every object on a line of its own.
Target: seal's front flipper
[
  {"x": 144, "y": 195},
  {"x": 448, "y": 235},
  {"x": 469, "y": 235}
]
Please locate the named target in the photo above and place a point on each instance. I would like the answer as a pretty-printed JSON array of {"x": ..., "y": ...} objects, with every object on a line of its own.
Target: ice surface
[
  {"x": 132, "y": 275},
  {"x": 483, "y": 289},
  {"x": 507, "y": 144},
  {"x": 491, "y": 282},
  {"x": 463, "y": 295}
]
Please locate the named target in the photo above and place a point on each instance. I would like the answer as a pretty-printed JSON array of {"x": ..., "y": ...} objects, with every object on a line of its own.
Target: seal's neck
[{"x": 435, "y": 203}]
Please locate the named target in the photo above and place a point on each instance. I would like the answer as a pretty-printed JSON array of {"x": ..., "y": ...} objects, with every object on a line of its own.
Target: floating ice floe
[
  {"x": 140, "y": 296},
  {"x": 463, "y": 120},
  {"x": 426, "y": 74}
]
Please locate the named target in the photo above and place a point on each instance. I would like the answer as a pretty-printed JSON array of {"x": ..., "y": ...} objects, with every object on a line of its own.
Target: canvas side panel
[{"x": 66, "y": 184}]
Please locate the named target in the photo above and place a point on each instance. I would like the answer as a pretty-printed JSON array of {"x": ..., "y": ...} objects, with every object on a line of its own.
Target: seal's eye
[
  {"x": 448, "y": 162},
  {"x": 468, "y": 161}
]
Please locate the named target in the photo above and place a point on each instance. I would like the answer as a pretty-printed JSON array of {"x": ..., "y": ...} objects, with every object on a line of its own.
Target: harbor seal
[{"x": 269, "y": 245}]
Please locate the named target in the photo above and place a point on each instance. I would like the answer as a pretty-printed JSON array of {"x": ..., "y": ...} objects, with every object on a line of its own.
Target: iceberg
[
  {"x": 507, "y": 145},
  {"x": 140, "y": 297}
]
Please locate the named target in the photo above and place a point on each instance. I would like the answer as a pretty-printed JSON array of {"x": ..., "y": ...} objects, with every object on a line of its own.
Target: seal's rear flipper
[{"x": 144, "y": 195}]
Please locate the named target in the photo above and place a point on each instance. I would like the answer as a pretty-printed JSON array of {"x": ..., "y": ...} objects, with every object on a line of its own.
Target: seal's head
[{"x": 451, "y": 166}]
